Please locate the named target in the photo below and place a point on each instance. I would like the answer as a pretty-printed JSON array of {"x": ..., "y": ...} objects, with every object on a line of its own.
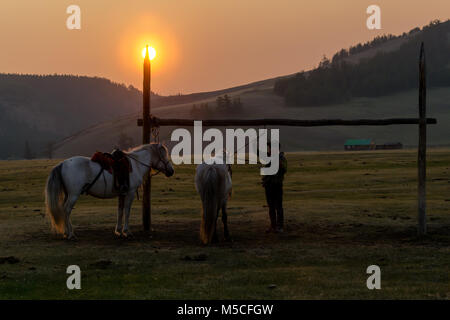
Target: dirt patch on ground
[
  {"x": 177, "y": 234},
  {"x": 10, "y": 260}
]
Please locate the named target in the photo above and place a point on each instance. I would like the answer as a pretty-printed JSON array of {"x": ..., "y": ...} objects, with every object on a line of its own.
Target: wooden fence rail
[{"x": 156, "y": 122}]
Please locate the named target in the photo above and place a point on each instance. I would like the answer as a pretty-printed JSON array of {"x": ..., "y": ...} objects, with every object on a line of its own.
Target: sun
[{"x": 151, "y": 53}]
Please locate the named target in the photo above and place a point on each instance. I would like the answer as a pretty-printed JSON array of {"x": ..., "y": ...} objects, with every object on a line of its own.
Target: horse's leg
[
  {"x": 226, "y": 233},
  {"x": 128, "y": 201},
  {"x": 68, "y": 206},
  {"x": 118, "y": 231},
  {"x": 215, "y": 238}
]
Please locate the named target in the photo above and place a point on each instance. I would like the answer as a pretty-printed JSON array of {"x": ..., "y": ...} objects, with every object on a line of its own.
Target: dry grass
[{"x": 344, "y": 211}]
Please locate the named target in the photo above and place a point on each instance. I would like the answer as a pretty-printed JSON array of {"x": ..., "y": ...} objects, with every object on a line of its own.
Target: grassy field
[{"x": 344, "y": 212}]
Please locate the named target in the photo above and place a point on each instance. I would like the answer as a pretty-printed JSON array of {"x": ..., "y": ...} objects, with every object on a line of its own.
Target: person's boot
[
  {"x": 273, "y": 221},
  {"x": 280, "y": 220},
  {"x": 271, "y": 230}
]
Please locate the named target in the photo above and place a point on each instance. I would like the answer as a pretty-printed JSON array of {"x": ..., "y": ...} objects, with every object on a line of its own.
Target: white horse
[
  {"x": 68, "y": 179},
  {"x": 213, "y": 183}
]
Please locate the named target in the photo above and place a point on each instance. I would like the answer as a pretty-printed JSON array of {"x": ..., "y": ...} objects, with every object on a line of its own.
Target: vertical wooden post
[
  {"x": 146, "y": 129},
  {"x": 422, "y": 154}
]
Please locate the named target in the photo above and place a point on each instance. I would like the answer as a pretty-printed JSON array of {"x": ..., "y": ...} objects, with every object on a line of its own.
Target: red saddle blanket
[{"x": 107, "y": 162}]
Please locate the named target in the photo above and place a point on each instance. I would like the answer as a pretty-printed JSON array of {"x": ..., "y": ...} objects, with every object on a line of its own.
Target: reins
[{"x": 149, "y": 166}]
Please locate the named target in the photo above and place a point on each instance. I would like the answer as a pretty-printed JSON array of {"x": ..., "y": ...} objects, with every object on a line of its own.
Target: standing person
[{"x": 273, "y": 185}]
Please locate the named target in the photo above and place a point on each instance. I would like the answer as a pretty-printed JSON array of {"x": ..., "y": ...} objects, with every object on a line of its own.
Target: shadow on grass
[{"x": 250, "y": 233}]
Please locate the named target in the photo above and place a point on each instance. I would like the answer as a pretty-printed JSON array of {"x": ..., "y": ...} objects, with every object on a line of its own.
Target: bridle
[{"x": 165, "y": 162}]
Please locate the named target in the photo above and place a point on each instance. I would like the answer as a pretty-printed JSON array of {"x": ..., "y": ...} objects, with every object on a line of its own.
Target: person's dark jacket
[{"x": 276, "y": 179}]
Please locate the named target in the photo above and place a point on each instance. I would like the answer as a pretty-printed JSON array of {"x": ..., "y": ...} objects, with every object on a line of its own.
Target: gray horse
[
  {"x": 213, "y": 183},
  {"x": 68, "y": 179}
]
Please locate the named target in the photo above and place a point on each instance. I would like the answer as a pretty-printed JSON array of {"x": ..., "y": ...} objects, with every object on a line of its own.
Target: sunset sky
[{"x": 201, "y": 45}]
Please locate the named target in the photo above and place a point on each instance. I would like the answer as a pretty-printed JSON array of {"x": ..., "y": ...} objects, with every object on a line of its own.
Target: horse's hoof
[
  {"x": 127, "y": 235},
  {"x": 72, "y": 237}
]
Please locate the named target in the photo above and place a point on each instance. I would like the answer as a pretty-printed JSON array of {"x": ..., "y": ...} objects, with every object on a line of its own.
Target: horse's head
[{"x": 160, "y": 159}]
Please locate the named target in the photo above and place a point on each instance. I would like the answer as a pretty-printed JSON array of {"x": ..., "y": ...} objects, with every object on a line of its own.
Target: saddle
[{"x": 118, "y": 165}]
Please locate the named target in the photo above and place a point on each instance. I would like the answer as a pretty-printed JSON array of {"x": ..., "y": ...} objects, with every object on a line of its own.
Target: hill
[
  {"x": 390, "y": 69},
  {"x": 43, "y": 109},
  {"x": 82, "y": 115},
  {"x": 260, "y": 100},
  {"x": 263, "y": 103},
  {"x": 38, "y": 111}
]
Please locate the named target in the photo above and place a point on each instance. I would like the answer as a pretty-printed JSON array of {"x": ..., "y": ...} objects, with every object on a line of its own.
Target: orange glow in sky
[{"x": 202, "y": 45}]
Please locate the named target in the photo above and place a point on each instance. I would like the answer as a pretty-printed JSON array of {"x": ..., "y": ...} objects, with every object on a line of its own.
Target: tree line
[
  {"x": 224, "y": 104},
  {"x": 337, "y": 81}
]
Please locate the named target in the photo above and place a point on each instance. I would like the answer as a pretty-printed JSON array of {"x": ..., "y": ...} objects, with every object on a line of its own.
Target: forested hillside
[
  {"x": 385, "y": 73},
  {"x": 36, "y": 111},
  {"x": 42, "y": 109}
]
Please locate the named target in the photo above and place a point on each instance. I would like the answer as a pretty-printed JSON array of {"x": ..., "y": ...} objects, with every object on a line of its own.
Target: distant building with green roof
[{"x": 359, "y": 144}]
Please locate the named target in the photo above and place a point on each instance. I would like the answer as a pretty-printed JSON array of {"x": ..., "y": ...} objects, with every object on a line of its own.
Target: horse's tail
[
  {"x": 55, "y": 194},
  {"x": 210, "y": 201}
]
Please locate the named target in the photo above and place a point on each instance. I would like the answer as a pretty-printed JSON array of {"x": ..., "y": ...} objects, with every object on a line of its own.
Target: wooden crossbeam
[{"x": 285, "y": 122}]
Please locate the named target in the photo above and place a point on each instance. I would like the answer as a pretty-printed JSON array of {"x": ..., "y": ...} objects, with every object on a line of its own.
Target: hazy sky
[{"x": 201, "y": 45}]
